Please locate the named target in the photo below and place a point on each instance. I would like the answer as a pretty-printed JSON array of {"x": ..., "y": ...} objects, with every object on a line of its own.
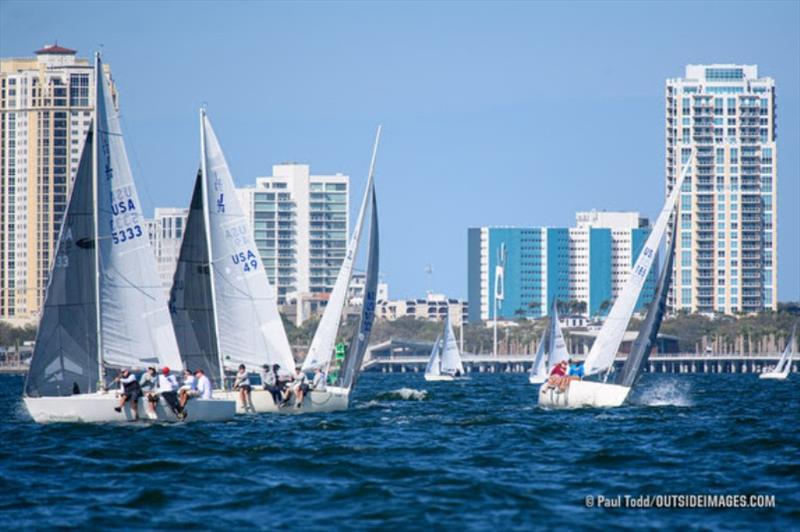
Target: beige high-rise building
[
  {"x": 727, "y": 248},
  {"x": 45, "y": 112}
]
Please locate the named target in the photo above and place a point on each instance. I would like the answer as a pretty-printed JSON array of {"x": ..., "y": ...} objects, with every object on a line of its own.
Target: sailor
[
  {"x": 188, "y": 389},
  {"x": 148, "y": 383},
  {"x": 204, "y": 388},
  {"x": 575, "y": 369},
  {"x": 271, "y": 382},
  {"x": 299, "y": 386},
  {"x": 242, "y": 383},
  {"x": 129, "y": 391},
  {"x": 557, "y": 374},
  {"x": 167, "y": 386},
  {"x": 319, "y": 381}
]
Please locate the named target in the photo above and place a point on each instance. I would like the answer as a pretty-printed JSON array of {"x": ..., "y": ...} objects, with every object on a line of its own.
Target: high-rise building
[
  {"x": 46, "y": 109},
  {"x": 165, "y": 230},
  {"x": 726, "y": 253},
  {"x": 300, "y": 223},
  {"x": 585, "y": 265}
]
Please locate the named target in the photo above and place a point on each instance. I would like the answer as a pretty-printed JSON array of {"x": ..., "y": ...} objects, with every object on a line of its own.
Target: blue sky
[{"x": 494, "y": 114}]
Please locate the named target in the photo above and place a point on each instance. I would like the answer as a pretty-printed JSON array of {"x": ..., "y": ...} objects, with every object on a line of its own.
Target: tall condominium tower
[
  {"x": 45, "y": 111},
  {"x": 585, "y": 265},
  {"x": 165, "y": 230},
  {"x": 726, "y": 254},
  {"x": 300, "y": 222}
]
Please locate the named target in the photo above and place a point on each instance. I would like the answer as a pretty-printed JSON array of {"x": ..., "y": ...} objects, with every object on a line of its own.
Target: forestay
[
  {"x": 135, "y": 326},
  {"x": 321, "y": 350},
  {"x": 604, "y": 350},
  {"x": 65, "y": 352},
  {"x": 250, "y": 329}
]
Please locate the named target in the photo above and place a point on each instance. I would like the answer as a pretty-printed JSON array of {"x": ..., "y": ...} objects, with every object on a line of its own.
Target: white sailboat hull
[
  {"x": 332, "y": 399},
  {"x": 438, "y": 378},
  {"x": 99, "y": 408},
  {"x": 774, "y": 375},
  {"x": 537, "y": 379},
  {"x": 581, "y": 394}
]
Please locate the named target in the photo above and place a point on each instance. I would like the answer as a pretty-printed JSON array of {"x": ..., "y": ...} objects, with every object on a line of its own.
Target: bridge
[{"x": 403, "y": 356}]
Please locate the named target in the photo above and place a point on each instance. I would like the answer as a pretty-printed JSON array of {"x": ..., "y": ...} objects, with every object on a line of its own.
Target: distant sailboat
[
  {"x": 445, "y": 363},
  {"x": 103, "y": 309},
  {"x": 320, "y": 354},
  {"x": 552, "y": 349},
  {"x": 224, "y": 310},
  {"x": 784, "y": 367},
  {"x": 583, "y": 393}
]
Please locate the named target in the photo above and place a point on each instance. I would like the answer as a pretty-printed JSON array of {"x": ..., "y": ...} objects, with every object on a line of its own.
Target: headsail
[
  {"x": 646, "y": 339},
  {"x": 604, "y": 350},
  {"x": 135, "y": 326},
  {"x": 451, "y": 356},
  {"x": 352, "y": 364},
  {"x": 435, "y": 361},
  {"x": 539, "y": 367},
  {"x": 557, "y": 351},
  {"x": 250, "y": 329},
  {"x": 65, "y": 352},
  {"x": 321, "y": 350},
  {"x": 785, "y": 363},
  {"x": 190, "y": 301}
]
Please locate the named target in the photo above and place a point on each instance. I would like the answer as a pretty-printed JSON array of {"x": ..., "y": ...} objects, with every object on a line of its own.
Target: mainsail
[
  {"x": 135, "y": 328},
  {"x": 354, "y": 359},
  {"x": 646, "y": 339},
  {"x": 65, "y": 352},
  {"x": 321, "y": 350},
  {"x": 451, "y": 357},
  {"x": 558, "y": 346},
  {"x": 539, "y": 367},
  {"x": 604, "y": 350},
  {"x": 785, "y": 363}
]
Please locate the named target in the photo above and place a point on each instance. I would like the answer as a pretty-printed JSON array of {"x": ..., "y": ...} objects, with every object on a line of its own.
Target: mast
[
  {"x": 99, "y": 85},
  {"x": 207, "y": 224}
]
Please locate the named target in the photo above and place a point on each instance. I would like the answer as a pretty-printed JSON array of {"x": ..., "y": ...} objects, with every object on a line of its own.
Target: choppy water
[{"x": 408, "y": 454}]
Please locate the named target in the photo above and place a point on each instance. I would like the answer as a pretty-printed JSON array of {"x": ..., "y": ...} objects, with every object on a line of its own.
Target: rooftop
[{"x": 55, "y": 49}]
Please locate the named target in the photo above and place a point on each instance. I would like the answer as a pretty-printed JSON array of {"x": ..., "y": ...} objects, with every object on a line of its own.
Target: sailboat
[
  {"x": 224, "y": 310},
  {"x": 784, "y": 367},
  {"x": 553, "y": 344},
  {"x": 103, "y": 308},
  {"x": 344, "y": 374},
  {"x": 445, "y": 362},
  {"x": 600, "y": 360}
]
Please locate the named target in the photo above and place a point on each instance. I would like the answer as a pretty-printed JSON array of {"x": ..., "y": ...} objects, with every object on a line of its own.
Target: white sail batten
[
  {"x": 604, "y": 350},
  {"x": 451, "y": 356},
  {"x": 136, "y": 329},
  {"x": 249, "y": 327},
  {"x": 322, "y": 345},
  {"x": 434, "y": 363}
]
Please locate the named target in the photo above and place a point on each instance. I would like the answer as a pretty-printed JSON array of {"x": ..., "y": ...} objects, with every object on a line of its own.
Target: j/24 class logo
[{"x": 247, "y": 260}]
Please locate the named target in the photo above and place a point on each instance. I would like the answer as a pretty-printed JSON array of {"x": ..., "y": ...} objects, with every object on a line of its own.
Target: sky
[{"x": 507, "y": 114}]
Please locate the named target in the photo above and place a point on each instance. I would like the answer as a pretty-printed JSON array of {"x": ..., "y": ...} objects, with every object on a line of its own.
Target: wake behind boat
[
  {"x": 445, "y": 363},
  {"x": 781, "y": 371},
  {"x": 103, "y": 308},
  {"x": 600, "y": 361}
]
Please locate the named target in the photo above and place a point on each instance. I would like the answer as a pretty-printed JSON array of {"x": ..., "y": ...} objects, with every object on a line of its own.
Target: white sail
[
  {"x": 604, "y": 350},
  {"x": 135, "y": 326},
  {"x": 434, "y": 363},
  {"x": 250, "y": 329},
  {"x": 785, "y": 363},
  {"x": 538, "y": 371},
  {"x": 558, "y": 346},
  {"x": 451, "y": 356},
  {"x": 322, "y": 345}
]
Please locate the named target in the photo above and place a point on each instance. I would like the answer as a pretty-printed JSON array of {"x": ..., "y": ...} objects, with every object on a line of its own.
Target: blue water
[{"x": 408, "y": 454}]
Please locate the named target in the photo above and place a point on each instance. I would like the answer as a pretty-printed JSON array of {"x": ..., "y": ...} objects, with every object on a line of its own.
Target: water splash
[
  {"x": 665, "y": 393},
  {"x": 403, "y": 394}
]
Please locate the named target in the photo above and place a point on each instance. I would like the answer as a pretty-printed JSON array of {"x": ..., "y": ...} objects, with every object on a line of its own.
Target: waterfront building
[
  {"x": 300, "y": 223},
  {"x": 46, "y": 109},
  {"x": 584, "y": 266},
  {"x": 165, "y": 230},
  {"x": 355, "y": 291},
  {"x": 433, "y": 307},
  {"x": 727, "y": 250}
]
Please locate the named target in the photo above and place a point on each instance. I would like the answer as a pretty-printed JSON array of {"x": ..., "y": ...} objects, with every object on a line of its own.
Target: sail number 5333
[{"x": 128, "y": 233}]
